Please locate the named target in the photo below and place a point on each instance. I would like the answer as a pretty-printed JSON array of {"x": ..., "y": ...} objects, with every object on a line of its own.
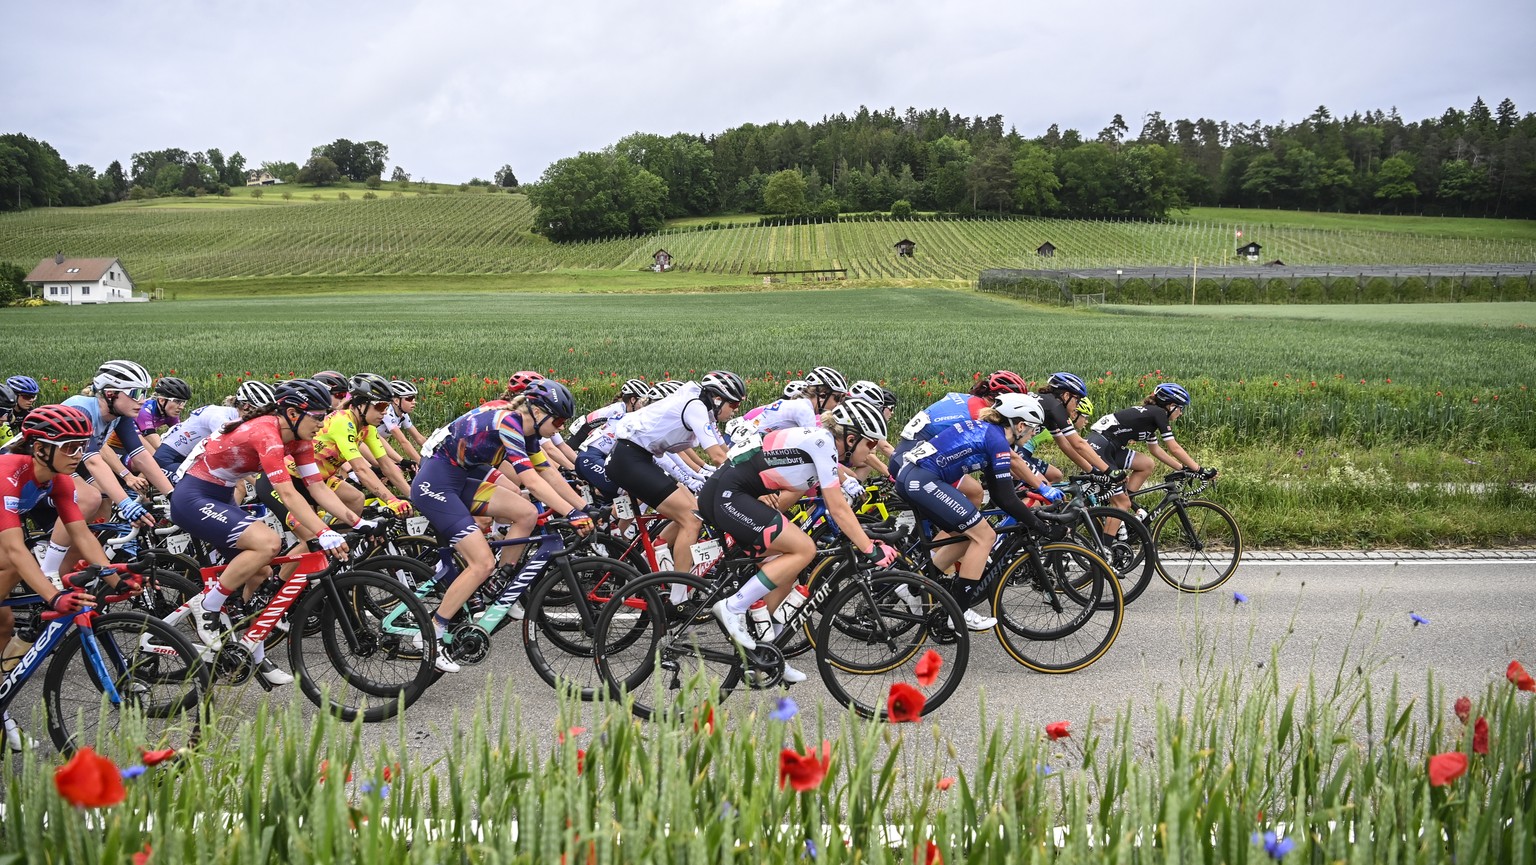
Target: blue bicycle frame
[{"x": 48, "y": 640}]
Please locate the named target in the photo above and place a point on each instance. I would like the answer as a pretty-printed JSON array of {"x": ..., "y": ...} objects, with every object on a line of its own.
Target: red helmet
[
  {"x": 56, "y": 423},
  {"x": 520, "y": 380},
  {"x": 998, "y": 382}
]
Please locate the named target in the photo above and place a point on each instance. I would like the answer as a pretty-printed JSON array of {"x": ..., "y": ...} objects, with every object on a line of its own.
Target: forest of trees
[{"x": 1478, "y": 162}]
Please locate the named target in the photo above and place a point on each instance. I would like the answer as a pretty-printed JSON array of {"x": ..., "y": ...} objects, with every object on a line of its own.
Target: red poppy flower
[
  {"x": 929, "y": 854},
  {"x": 89, "y": 780},
  {"x": 1519, "y": 677},
  {"x": 573, "y": 733},
  {"x": 946, "y": 783},
  {"x": 707, "y": 720},
  {"x": 1480, "y": 736},
  {"x": 1464, "y": 708},
  {"x": 581, "y": 760},
  {"x": 142, "y": 857},
  {"x": 1058, "y": 730},
  {"x": 904, "y": 703},
  {"x": 1445, "y": 768},
  {"x": 804, "y": 771},
  {"x": 155, "y": 758},
  {"x": 928, "y": 668}
]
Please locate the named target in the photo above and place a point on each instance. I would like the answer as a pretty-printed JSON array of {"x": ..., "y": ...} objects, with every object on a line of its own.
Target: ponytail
[
  {"x": 234, "y": 425},
  {"x": 992, "y": 415}
]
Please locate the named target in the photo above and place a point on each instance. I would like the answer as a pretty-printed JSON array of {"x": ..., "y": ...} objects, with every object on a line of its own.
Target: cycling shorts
[
  {"x": 207, "y": 511},
  {"x": 932, "y": 497},
  {"x": 169, "y": 461},
  {"x": 728, "y": 502},
  {"x": 1115, "y": 456},
  {"x": 591, "y": 467},
  {"x": 450, "y": 497},
  {"x": 633, "y": 468}
]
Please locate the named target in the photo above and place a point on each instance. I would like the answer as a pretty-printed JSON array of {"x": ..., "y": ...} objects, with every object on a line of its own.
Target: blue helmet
[
  {"x": 24, "y": 385},
  {"x": 1169, "y": 393},
  {"x": 1068, "y": 382},
  {"x": 551, "y": 396}
]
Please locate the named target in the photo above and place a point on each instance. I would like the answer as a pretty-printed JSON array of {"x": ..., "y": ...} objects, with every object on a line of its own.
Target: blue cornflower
[
  {"x": 1275, "y": 846},
  {"x": 810, "y": 848},
  {"x": 1239, "y": 598},
  {"x": 726, "y": 809},
  {"x": 383, "y": 789},
  {"x": 785, "y": 710},
  {"x": 133, "y": 772},
  {"x": 1046, "y": 770},
  {"x": 1418, "y": 619}
]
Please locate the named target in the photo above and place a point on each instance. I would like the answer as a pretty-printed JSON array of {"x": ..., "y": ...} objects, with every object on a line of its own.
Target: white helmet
[
  {"x": 664, "y": 388},
  {"x": 794, "y": 389},
  {"x": 828, "y": 378},
  {"x": 121, "y": 375},
  {"x": 256, "y": 394},
  {"x": 402, "y": 388},
  {"x": 1017, "y": 407},
  {"x": 862, "y": 417}
]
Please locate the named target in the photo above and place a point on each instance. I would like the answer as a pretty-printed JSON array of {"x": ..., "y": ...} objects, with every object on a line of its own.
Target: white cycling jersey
[
  {"x": 392, "y": 421},
  {"x": 199, "y": 425},
  {"x": 672, "y": 425},
  {"x": 784, "y": 414}
]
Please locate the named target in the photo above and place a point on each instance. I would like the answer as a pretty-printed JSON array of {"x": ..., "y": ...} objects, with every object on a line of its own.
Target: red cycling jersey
[
  {"x": 255, "y": 445},
  {"x": 20, "y": 492}
]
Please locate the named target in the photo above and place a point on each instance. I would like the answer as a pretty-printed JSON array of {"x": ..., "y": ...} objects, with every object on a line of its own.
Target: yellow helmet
[{"x": 1085, "y": 407}]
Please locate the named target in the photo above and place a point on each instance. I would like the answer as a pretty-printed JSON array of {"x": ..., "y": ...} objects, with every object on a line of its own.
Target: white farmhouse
[{"x": 76, "y": 281}]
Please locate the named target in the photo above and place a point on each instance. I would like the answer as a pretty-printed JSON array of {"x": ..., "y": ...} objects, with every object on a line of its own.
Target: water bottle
[
  {"x": 792, "y": 602},
  {"x": 762, "y": 622}
]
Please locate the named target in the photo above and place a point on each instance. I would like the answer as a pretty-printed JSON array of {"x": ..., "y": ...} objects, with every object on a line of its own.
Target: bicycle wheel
[
  {"x": 369, "y": 667},
  {"x": 1198, "y": 546},
  {"x": 1052, "y": 613},
  {"x": 164, "y": 591},
  {"x": 158, "y": 676},
  {"x": 823, "y": 569},
  {"x": 405, "y": 570},
  {"x": 558, "y": 624},
  {"x": 872, "y": 637},
  {"x": 614, "y": 547},
  {"x": 420, "y": 547},
  {"x": 680, "y": 651},
  {"x": 1133, "y": 557}
]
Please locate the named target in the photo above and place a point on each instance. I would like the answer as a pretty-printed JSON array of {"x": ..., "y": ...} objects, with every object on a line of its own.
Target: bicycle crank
[
  {"x": 467, "y": 643},
  {"x": 765, "y": 666}
]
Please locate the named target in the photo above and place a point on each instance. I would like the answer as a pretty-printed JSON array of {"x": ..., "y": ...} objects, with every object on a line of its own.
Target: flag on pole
[{"x": 1239, "y": 234}]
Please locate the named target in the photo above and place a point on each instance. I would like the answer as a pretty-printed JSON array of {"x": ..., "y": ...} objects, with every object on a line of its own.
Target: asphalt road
[{"x": 1481, "y": 614}]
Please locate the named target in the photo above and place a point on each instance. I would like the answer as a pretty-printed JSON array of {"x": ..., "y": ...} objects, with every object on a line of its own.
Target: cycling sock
[
  {"x": 54, "y": 558},
  {"x": 751, "y": 592},
  {"x": 962, "y": 590},
  {"x": 678, "y": 593},
  {"x": 214, "y": 599},
  {"x": 440, "y": 624},
  {"x": 259, "y": 654}
]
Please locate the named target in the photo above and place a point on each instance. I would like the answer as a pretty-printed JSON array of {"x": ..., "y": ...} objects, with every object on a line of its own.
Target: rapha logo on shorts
[
  {"x": 211, "y": 512},
  {"x": 426, "y": 490}
]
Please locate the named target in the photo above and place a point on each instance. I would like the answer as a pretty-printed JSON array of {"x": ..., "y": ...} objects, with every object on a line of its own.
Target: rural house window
[
  {"x": 73, "y": 270},
  {"x": 86, "y": 289}
]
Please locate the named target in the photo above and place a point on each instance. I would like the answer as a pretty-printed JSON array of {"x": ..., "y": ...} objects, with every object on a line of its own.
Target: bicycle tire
[
  {"x": 628, "y": 666},
  {"x": 156, "y": 669},
  {"x": 1203, "y": 562},
  {"x": 407, "y": 571},
  {"x": 1133, "y": 558},
  {"x": 859, "y": 671},
  {"x": 422, "y": 548},
  {"x": 1025, "y": 610},
  {"x": 604, "y": 545},
  {"x": 338, "y": 684},
  {"x": 559, "y": 648}
]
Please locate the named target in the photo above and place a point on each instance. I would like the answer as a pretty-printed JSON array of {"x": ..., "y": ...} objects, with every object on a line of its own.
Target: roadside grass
[
  {"x": 1335, "y": 767},
  {"x": 1441, "y": 226}
]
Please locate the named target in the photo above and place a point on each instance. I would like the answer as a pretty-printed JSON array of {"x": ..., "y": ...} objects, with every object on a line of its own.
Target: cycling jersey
[
  {"x": 393, "y": 420},
  {"x": 20, "y": 492},
  {"x": 125, "y": 427},
  {"x": 1141, "y": 423},
  {"x": 151, "y": 417},
  {"x": 1058, "y": 420},
  {"x": 593, "y": 422},
  {"x": 796, "y": 459},
  {"x": 932, "y": 468},
  {"x": 965, "y": 447},
  {"x": 783, "y": 414},
  {"x": 674, "y": 424},
  {"x": 199, "y": 425},
  {"x": 486, "y": 436},
  {"x": 1028, "y": 448},
  {"x": 337, "y": 443},
  {"x": 953, "y": 408},
  {"x": 256, "y": 445}
]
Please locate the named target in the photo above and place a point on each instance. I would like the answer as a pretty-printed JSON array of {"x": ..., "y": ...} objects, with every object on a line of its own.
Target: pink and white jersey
[
  {"x": 798, "y": 459},
  {"x": 671, "y": 425},
  {"x": 201, "y": 424},
  {"x": 783, "y": 414},
  {"x": 256, "y": 445}
]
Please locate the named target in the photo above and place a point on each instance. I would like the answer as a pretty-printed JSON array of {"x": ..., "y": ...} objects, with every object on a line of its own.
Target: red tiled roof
[{"x": 89, "y": 270}]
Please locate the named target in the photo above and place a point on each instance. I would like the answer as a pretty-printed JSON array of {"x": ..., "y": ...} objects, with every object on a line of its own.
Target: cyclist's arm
[
  {"x": 1022, "y": 471},
  {"x": 541, "y": 490},
  {"x": 551, "y": 475},
  {"x": 842, "y": 514},
  {"x": 1173, "y": 455},
  {"x": 1077, "y": 449},
  {"x": 691, "y": 459},
  {"x": 406, "y": 449},
  {"x": 151, "y": 441},
  {"x": 305, "y": 515},
  {"x": 716, "y": 454},
  {"x": 106, "y": 471},
  {"x": 416, "y": 436},
  {"x": 874, "y": 463},
  {"x": 369, "y": 480},
  {"x": 145, "y": 463}
]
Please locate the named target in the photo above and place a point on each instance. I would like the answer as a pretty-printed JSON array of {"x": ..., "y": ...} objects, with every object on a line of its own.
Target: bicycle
[
  {"x": 370, "y": 669},
  {"x": 1199, "y": 544},
  {"x": 1128, "y": 549},
  {"x": 879, "y": 638},
  {"x": 133, "y": 670}
]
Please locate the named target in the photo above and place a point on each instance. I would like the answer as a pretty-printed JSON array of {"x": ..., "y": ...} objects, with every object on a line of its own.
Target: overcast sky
[{"x": 456, "y": 88}]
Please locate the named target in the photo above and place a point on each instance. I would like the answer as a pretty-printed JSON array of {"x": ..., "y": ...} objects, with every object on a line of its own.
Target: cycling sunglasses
[
  {"x": 137, "y": 394},
  {"x": 69, "y": 447}
]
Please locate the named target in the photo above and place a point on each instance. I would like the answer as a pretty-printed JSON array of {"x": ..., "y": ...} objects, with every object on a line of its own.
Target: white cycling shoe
[
  {"x": 272, "y": 674},
  {"x": 975, "y": 621},
  {"x": 735, "y": 624},
  {"x": 913, "y": 602},
  {"x": 17, "y": 738},
  {"x": 793, "y": 676},
  {"x": 444, "y": 663}
]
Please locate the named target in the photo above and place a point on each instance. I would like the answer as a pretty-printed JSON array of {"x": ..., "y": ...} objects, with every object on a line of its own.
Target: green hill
[{"x": 490, "y": 234}]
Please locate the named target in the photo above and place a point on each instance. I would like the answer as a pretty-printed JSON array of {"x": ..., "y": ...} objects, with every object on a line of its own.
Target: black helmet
[
  {"x": 171, "y": 387},
  {"x": 332, "y": 381},
  {"x": 724, "y": 384},
  {"x": 552, "y": 397},
  {"x": 369, "y": 387},
  {"x": 306, "y": 394},
  {"x": 7, "y": 398}
]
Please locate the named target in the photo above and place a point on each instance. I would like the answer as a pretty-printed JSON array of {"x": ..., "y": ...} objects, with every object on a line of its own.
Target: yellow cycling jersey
[{"x": 337, "y": 442}]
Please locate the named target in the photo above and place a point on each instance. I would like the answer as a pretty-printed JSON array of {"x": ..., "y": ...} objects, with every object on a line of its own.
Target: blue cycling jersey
[
  {"x": 965, "y": 447},
  {"x": 126, "y": 427},
  {"x": 952, "y": 409}
]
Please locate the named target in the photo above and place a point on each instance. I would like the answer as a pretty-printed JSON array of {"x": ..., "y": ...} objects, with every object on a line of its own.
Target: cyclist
[
  {"x": 163, "y": 409},
  {"x": 180, "y": 441},
  {"x": 53, "y": 443},
  {"x": 336, "y": 383},
  {"x": 1061, "y": 397},
  {"x": 789, "y": 460},
  {"x": 204, "y": 501},
  {"x": 822, "y": 389},
  {"x": 930, "y": 475},
  {"x": 593, "y": 435},
  {"x": 885, "y": 398},
  {"x": 679, "y": 422},
  {"x": 462, "y": 478},
  {"x": 112, "y": 402},
  {"x": 26, "y": 389},
  {"x": 8, "y": 422},
  {"x": 632, "y": 395},
  {"x": 794, "y": 389},
  {"x": 1150, "y": 422},
  {"x": 338, "y": 446},
  {"x": 554, "y": 447},
  {"x": 397, "y": 424}
]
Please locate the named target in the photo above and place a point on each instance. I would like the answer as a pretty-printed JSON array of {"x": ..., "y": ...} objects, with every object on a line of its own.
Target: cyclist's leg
[
  {"x": 971, "y": 488},
  {"x": 90, "y": 501}
]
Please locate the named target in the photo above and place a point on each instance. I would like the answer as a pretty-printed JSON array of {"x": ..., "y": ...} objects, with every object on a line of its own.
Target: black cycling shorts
[
  {"x": 1115, "y": 456},
  {"x": 729, "y": 502},
  {"x": 633, "y": 469}
]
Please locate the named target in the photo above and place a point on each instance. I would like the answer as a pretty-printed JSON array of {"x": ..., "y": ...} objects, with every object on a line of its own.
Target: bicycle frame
[
  {"x": 275, "y": 609},
  {"x": 50, "y": 638}
]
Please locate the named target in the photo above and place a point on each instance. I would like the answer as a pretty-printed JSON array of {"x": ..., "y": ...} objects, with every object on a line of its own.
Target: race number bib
[
  {"x": 178, "y": 543},
  {"x": 623, "y": 508},
  {"x": 417, "y": 525},
  {"x": 1103, "y": 424},
  {"x": 921, "y": 451},
  {"x": 742, "y": 448},
  {"x": 915, "y": 425},
  {"x": 704, "y": 554}
]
